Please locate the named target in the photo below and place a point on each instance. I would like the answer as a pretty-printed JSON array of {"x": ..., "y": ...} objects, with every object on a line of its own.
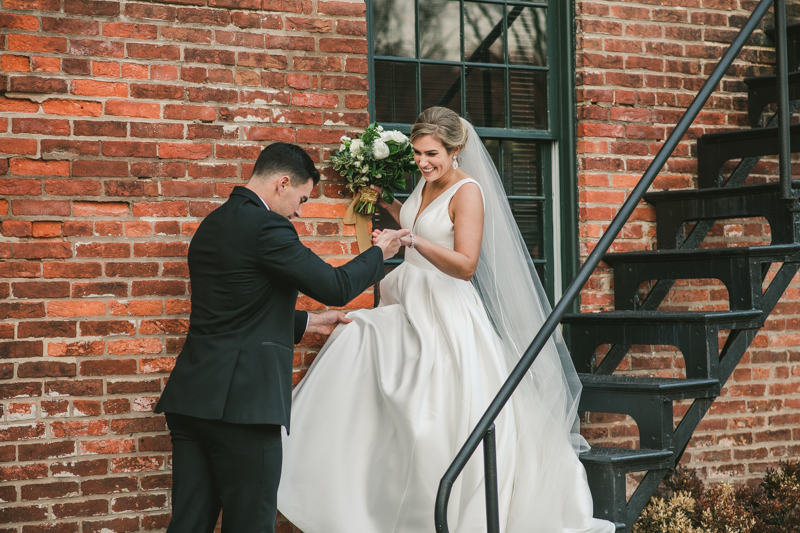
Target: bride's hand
[
  {"x": 380, "y": 196},
  {"x": 377, "y": 233},
  {"x": 389, "y": 241},
  {"x": 405, "y": 238}
]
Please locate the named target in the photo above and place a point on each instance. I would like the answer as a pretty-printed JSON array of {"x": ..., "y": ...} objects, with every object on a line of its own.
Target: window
[{"x": 493, "y": 62}]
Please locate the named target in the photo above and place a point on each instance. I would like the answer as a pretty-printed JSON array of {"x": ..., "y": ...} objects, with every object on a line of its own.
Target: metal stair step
[
  {"x": 742, "y": 270},
  {"x": 694, "y": 333},
  {"x": 638, "y": 318},
  {"x": 762, "y": 91},
  {"x": 714, "y": 149},
  {"x": 679, "y": 255},
  {"x": 671, "y": 388},
  {"x": 625, "y": 459},
  {"x": 606, "y": 469},
  {"x": 647, "y": 400},
  {"x": 673, "y": 208}
]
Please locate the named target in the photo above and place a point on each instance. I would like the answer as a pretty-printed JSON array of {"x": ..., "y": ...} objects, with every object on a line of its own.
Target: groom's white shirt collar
[{"x": 265, "y": 203}]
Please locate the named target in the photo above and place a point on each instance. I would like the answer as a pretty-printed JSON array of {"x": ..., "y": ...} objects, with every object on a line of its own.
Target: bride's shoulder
[
  {"x": 469, "y": 194},
  {"x": 469, "y": 186}
]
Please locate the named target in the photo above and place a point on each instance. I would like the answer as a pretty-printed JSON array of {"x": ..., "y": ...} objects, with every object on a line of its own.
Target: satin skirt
[{"x": 390, "y": 400}]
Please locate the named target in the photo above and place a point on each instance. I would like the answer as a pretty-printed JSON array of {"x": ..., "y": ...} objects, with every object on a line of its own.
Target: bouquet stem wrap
[
  {"x": 361, "y": 221},
  {"x": 369, "y": 196}
]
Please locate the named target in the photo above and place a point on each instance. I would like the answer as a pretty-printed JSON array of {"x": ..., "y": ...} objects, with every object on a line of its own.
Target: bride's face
[{"x": 432, "y": 158}]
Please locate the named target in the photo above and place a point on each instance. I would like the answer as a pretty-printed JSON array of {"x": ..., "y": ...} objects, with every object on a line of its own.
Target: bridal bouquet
[{"x": 377, "y": 157}]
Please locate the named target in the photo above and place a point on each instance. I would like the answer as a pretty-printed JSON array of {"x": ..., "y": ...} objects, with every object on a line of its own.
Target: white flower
[
  {"x": 344, "y": 138},
  {"x": 380, "y": 150},
  {"x": 356, "y": 146},
  {"x": 380, "y": 128},
  {"x": 357, "y": 164},
  {"x": 342, "y": 147},
  {"x": 394, "y": 136}
]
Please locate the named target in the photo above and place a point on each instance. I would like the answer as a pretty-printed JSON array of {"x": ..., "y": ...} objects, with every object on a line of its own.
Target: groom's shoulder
[
  {"x": 246, "y": 207},
  {"x": 271, "y": 225},
  {"x": 240, "y": 219}
]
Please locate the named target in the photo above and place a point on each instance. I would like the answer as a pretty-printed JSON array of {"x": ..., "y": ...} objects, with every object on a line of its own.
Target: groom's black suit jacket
[{"x": 246, "y": 265}]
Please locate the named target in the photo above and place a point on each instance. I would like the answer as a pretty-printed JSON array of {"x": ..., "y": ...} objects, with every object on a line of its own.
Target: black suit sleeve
[
  {"x": 283, "y": 255},
  {"x": 300, "y": 323}
]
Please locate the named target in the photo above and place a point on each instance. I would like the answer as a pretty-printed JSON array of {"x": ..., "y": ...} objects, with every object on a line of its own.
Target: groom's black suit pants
[{"x": 219, "y": 465}]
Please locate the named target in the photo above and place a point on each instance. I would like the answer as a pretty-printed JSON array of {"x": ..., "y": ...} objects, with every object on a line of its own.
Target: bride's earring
[{"x": 455, "y": 163}]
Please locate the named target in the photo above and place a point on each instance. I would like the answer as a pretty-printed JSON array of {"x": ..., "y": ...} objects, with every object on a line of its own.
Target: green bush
[{"x": 684, "y": 505}]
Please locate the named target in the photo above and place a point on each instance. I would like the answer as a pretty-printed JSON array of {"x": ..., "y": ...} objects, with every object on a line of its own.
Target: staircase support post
[
  {"x": 608, "y": 493},
  {"x": 783, "y": 99},
  {"x": 490, "y": 481}
]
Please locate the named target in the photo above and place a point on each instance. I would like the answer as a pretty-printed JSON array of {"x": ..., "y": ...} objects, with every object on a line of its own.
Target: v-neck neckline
[{"x": 420, "y": 210}]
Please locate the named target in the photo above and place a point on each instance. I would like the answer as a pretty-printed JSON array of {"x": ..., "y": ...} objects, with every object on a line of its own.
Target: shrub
[
  {"x": 668, "y": 515},
  {"x": 684, "y": 505}
]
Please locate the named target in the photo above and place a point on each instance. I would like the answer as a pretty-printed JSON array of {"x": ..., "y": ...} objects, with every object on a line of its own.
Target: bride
[{"x": 392, "y": 396}]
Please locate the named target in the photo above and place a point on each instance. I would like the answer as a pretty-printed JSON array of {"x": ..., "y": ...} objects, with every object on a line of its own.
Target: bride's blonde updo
[{"x": 442, "y": 124}]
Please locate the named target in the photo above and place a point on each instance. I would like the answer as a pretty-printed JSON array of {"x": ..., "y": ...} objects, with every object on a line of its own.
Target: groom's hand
[
  {"x": 324, "y": 323},
  {"x": 389, "y": 241}
]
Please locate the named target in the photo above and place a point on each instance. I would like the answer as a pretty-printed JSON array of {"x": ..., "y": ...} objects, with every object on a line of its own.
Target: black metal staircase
[
  {"x": 696, "y": 334},
  {"x": 649, "y": 401}
]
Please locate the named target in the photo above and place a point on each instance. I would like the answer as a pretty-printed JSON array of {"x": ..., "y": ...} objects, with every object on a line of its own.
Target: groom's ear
[{"x": 282, "y": 183}]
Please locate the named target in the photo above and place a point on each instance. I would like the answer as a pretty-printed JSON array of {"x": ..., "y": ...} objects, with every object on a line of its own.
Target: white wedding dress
[{"x": 392, "y": 397}]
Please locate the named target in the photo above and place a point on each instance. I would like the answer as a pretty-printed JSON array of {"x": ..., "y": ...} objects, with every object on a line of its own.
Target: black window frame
[{"x": 558, "y": 141}]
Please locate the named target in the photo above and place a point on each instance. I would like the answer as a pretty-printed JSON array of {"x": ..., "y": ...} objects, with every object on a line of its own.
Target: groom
[{"x": 231, "y": 389}]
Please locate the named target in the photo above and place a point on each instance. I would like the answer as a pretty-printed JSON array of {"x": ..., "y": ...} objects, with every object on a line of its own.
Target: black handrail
[{"x": 487, "y": 420}]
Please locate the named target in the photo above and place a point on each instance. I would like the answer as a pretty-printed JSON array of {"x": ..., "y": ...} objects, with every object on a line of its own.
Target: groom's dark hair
[{"x": 284, "y": 159}]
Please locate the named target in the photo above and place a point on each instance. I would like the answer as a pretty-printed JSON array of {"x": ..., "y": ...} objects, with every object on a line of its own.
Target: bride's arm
[
  {"x": 461, "y": 262},
  {"x": 393, "y": 209}
]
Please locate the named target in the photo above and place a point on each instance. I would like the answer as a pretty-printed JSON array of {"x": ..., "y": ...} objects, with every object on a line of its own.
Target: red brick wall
[
  {"x": 640, "y": 63},
  {"x": 122, "y": 124}
]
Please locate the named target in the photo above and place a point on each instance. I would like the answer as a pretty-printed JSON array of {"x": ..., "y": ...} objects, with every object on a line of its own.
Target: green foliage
[
  {"x": 683, "y": 505},
  {"x": 377, "y": 157}
]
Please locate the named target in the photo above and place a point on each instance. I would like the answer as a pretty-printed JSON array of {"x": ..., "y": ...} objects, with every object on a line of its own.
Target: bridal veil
[{"x": 516, "y": 302}]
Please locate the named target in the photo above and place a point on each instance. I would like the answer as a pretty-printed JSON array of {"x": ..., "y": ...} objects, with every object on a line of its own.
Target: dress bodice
[{"x": 433, "y": 223}]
